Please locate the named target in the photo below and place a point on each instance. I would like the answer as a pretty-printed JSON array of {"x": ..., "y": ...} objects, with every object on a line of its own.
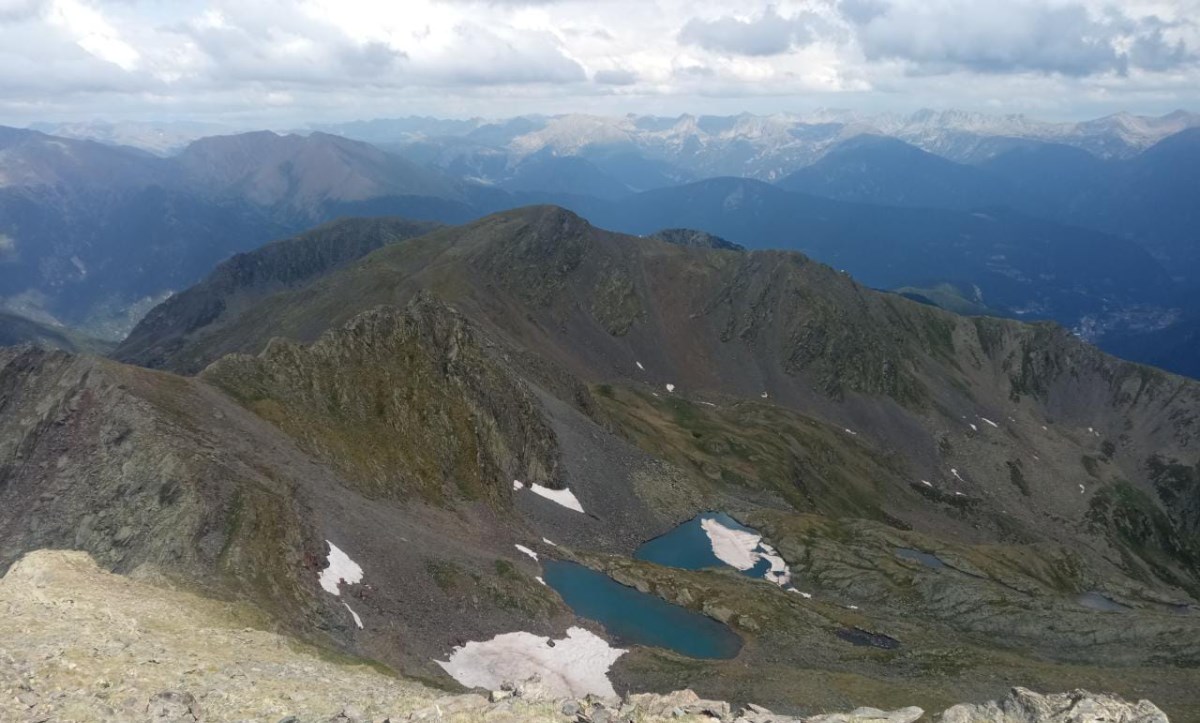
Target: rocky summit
[{"x": 526, "y": 468}]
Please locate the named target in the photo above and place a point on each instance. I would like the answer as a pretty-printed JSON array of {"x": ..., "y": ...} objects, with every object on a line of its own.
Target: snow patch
[
  {"x": 973, "y": 427},
  {"x": 341, "y": 569},
  {"x": 548, "y": 542},
  {"x": 540, "y": 580},
  {"x": 988, "y": 421},
  {"x": 639, "y": 365},
  {"x": 805, "y": 595},
  {"x": 851, "y": 432},
  {"x": 574, "y": 667},
  {"x": 518, "y": 485},
  {"x": 357, "y": 619},
  {"x": 957, "y": 476},
  {"x": 764, "y": 395},
  {"x": 670, "y": 387},
  {"x": 743, "y": 550},
  {"x": 926, "y": 483},
  {"x": 1082, "y": 490},
  {"x": 527, "y": 551},
  {"x": 564, "y": 497}
]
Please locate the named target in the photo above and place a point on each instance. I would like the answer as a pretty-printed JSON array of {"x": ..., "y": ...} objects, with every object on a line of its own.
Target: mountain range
[
  {"x": 436, "y": 415},
  {"x": 1087, "y": 224}
]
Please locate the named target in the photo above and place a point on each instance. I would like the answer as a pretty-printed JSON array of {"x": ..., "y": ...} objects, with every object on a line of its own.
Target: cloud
[
  {"x": 13, "y": 11},
  {"x": 769, "y": 34},
  {"x": 479, "y": 56},
  {"x": 939, "y": 36},
  {"x": 617, "y": 76}
]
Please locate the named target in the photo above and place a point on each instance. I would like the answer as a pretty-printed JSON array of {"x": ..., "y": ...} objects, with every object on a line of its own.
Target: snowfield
[
  {"x": 743, "y": 550},
  {"x": 564, "y": 497},
  {"x": 341, "y": 568},
  {"x": 577, "y": 664}
]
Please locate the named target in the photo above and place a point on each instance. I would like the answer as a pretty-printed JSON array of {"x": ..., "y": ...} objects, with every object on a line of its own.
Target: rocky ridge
[{"x": 83, "y": 644}]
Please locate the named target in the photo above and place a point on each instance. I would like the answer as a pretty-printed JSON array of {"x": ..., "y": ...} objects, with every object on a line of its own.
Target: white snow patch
[
  {"x": 639, "y": 365},
  {"x": 851, "y": 607},
  {"x": 959, "y": 494},
  {"x": 1082, "y": 490},
  {"x": 564, "y": 497},
  {"x": 576, "y": 666},
  {"x": 926, "y": 483},
  {"x": 764, "y": 395},
  {"x": 957, "y": 476},
  {"x": 973, "y": 427},
  {"x": 548, "y": 542},
  {"x": 527, "y": 551},
  {"x": 710, "y": 404},
  {"x": 743, "y": 550},
  {"x": 805, "y": 595},
  {"x": 518, "y": 485},
  {"x": 341, "y": 568},
  {"x": 851, "y": 432},
  {"x": 539, "y": 579},
  {"x": 357, "y": 619},
  {"x": 670, "y": 387},
  {"x": 988, "y": 421},
  {"x": 1044, "y": 428}
]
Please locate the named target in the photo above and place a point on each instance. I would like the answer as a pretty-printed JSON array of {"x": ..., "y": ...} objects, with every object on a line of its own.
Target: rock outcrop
[{"x": 1079, "y": 706}]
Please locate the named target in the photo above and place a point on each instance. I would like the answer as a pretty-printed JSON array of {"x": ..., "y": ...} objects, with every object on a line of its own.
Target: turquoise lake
[
  {"x": 636, "y": 617},
  {"x": 688, "y": 547}
]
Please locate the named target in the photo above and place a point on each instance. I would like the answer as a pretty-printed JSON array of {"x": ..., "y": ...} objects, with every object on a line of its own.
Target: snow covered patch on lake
[
  {"x": 744, "y": 550},
  {"x": 357, "y": 619},
  {"x": 577, "y": 664},
  {"x": 564, "y": 497},
  {"x": 341, "y": 569},
  {"x": 527, "y": 551}
]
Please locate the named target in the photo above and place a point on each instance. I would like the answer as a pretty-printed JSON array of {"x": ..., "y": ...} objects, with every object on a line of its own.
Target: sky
[{"x": 274, "y": 62}]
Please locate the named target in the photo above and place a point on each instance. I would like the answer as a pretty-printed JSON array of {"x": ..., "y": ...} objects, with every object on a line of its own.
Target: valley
[{"x": 478, "y": 428}]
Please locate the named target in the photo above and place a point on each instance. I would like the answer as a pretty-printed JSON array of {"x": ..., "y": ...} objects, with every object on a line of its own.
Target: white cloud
[{"x": 284, "y": 62}]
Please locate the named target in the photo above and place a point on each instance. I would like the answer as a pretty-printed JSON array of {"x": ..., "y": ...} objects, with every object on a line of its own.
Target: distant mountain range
[{"x": 1091, "y": 224}]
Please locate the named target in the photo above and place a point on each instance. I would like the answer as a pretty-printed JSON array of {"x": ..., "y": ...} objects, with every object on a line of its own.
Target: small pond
[
  {"x": 635, "y": 617},
  {"x": 866, "y": 638},
  {"x": 1097, "y": 601},
  {"x": 714, "y": 539},
  {"x": 926, "y": 559}
]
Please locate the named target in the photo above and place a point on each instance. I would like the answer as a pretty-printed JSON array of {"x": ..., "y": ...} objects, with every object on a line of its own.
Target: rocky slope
[
  {"x": 86, "y": 645},
  {"x": 393, "y": 476}
]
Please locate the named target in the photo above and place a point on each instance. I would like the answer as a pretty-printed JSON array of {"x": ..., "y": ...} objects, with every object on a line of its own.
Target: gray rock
[
  {"x": 1079, "y": 706},
  {"x": 870, "y": 715},
  {"x": 570, "y": 709},
  {"x": 172, "y": 705}
]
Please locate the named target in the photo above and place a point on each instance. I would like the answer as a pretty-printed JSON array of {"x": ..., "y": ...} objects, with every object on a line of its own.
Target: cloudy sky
[{"x": 280, "y": 62}]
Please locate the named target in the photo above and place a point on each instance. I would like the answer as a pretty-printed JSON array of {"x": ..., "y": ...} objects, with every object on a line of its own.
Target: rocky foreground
[{"x": 78, "y": 643}]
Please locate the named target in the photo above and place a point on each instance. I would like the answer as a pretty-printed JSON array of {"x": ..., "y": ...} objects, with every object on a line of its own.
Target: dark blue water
[
  {"x": 635, "y": 617},
  {"x": 687, "y": 546},
  {"x": 931, "y": 561}
]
